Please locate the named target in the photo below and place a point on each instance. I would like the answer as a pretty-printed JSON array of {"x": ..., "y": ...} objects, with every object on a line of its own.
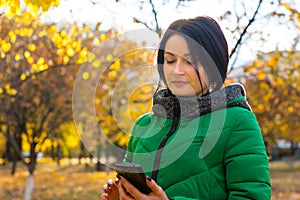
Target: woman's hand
[
  {"x": 128, "y": 191},
  {"x": 111, "y": 190}
]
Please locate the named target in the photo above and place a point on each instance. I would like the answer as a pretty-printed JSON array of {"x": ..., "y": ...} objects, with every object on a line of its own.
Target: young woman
[{"x": 202, "y": 140}]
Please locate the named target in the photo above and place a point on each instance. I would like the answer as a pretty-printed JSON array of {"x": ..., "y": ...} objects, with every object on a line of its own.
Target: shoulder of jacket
[
  {"x": 239, "y": 116},
  {"x": 144, "y": 119}
]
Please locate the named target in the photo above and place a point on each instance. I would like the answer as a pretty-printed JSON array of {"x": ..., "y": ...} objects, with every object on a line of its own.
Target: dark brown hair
[{"x": 206, "y": 43}]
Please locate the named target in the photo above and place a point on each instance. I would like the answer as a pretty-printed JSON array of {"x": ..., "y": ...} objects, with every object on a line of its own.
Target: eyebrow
[{"x": 172, "y": 54}]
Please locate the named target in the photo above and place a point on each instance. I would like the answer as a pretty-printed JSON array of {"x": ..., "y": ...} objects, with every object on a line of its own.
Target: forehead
[{"x": 177, "y": 45}]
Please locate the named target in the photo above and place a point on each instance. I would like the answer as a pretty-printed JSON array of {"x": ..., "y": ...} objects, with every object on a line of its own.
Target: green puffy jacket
[{"x": 213, "y": 149}]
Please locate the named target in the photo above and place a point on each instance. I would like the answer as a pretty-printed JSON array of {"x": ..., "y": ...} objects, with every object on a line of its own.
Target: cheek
[
  {"x": 203, "y": 75},
  {"x": 167, "y": 72}
]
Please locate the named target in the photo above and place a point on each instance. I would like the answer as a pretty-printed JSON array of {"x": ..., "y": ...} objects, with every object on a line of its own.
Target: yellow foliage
[
  {"x": 112, "y": 75},
  {"x": 260, "y": 107},
  {"x": 102, "y": 37},
  {"x": 5, "y": 46},
  {"x": 41, "y": 61},
  {"x": 30, "y": 60},
  {"x": 85, "y": 75},
  {"x": 23, "y": 77},
  {"x": 31, "y": 47},
  {"x": 66, "y": 59},
  {"x": 109, "y": 57},
  {"x": 115, "y": 65},
  {"x": 27, "y": 54},
  {"x": 12, "y": 36},
  {"x": 60, "y": 51},
  {"x": 12, "y": 8},
  {"x": 291, "y": 109},
  {"x": 91, "y": 57},
  {"x": 70, "y": 51},
  {"x": 18, "y": 57},
  {"x": 96, "y": 63},
  {"x": 25, "y": 144},
  {"x": 9, "y": 90},
  {"x": 71, "y": 137},
  {"x": 42, "y": 33},
  {"x": 47, "y": 144},
  {"x": 76, "y": 45},
  {"x": 43, "y": 67},
  {"x": 83, "y": 53},
  {"x": 35, "y": 67},
  {"x": 286, "y": 6},
  {"x": 261, "y": 75}
]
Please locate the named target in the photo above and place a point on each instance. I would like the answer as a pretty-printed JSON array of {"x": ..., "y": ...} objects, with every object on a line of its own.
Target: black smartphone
[{"x": 134, "y": 174}]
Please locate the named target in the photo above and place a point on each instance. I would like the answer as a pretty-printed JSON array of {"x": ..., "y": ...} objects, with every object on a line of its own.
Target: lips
[{"x": 179, "y": 83}]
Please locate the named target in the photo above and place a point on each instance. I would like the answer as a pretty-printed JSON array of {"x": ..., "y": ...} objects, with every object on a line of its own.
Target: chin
[{"x": 184, "y": 94}]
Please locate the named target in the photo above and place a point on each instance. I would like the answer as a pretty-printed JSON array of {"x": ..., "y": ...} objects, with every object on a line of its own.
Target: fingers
[
  {"x": 156, "y": 189},
  {"x": 111, "y": 190},
  {"x": 104, "y": 197},
  {"x": 152, "y": 185},
  {"x": 110, "y": 185},
  {"x": 128, "y": 191}
]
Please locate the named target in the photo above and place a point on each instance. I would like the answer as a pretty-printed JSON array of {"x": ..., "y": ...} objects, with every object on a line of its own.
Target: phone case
[{"x": 134, "y": 174}]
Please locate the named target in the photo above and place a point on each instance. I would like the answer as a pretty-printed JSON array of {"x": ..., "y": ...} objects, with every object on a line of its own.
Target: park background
[{"x": 51, "y": 49}]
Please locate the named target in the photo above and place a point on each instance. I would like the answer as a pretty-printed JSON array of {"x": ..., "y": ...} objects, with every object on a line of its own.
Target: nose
[{"x": 179, "y": 67}]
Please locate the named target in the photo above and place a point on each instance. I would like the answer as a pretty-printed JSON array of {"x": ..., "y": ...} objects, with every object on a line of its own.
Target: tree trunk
[
  {"x": 29, "y": 187},
  {"x": 81, "y": 154},
  {"x": 30, "y": 180},
  {"x": 59, "y": 154},
  {"x": 14, "y": 165}
]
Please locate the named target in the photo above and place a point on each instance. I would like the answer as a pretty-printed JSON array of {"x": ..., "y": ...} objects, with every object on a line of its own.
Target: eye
[{"x": 170, "y": 61}]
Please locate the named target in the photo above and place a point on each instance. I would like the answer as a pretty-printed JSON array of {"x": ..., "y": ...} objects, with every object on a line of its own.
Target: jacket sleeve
[
  {"x": 128, "y": 155},
  {"x": 132, "y": 140},
  {"x": 246, "y": 161}
]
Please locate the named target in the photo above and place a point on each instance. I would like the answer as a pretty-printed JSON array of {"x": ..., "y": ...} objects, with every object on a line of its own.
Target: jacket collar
[{"x": 164, "y": 102}]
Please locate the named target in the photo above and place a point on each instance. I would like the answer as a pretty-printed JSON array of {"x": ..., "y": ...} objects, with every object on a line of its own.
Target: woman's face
[{"x": 180, "y": 74}]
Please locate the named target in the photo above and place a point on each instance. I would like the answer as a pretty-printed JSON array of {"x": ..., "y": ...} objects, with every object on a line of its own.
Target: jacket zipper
[{"x": 163, "y": 143}]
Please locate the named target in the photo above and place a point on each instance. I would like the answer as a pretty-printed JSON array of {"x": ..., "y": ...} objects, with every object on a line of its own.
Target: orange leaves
[
  {"x": 273, "y": 92},
  {"x": 261, "y": 75},
  {"x": 294, "y": 13}
]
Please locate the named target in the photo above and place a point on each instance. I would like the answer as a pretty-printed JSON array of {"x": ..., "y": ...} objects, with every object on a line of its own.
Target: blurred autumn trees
[
  {"x": 272, "y": 82},
  {"x": 39, "y": 64},
  {"x": 36, "y": 84},
  {"x": 13, "y": 7},
  {"x": 273, "y": 85}
]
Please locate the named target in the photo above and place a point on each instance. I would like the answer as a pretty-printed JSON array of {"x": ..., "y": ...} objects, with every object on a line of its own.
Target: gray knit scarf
[{"x": 164, "y": 102}]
